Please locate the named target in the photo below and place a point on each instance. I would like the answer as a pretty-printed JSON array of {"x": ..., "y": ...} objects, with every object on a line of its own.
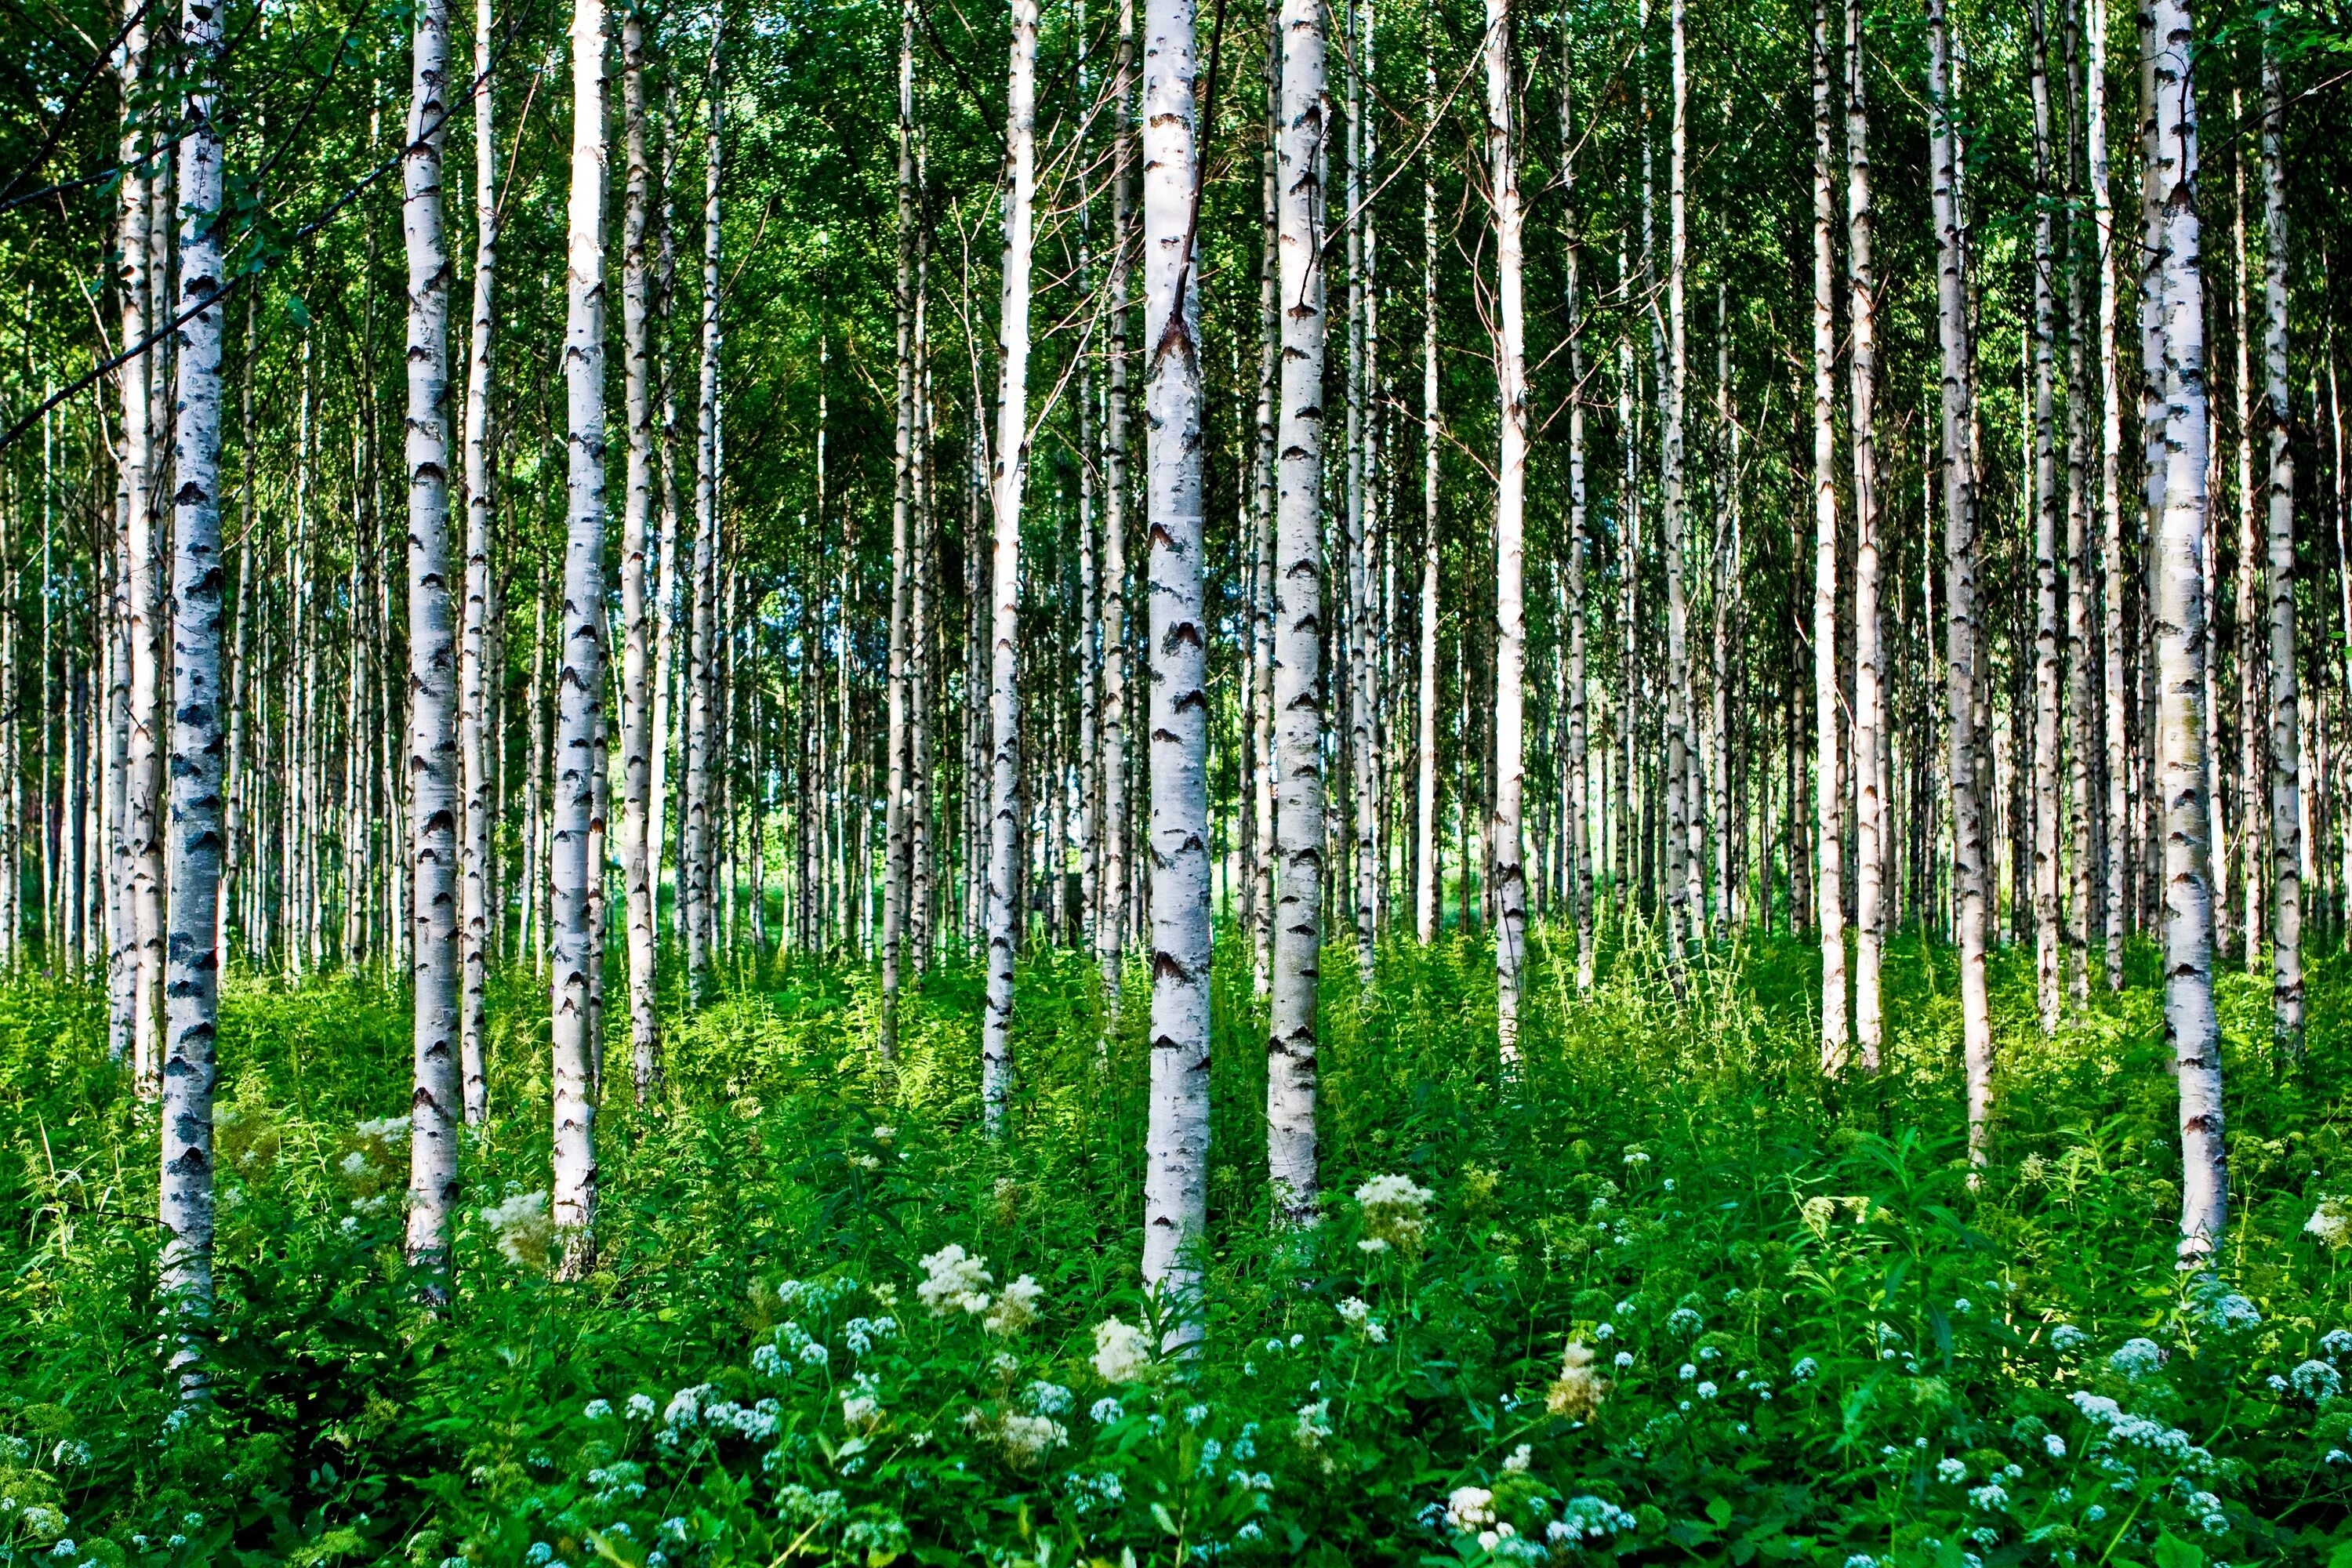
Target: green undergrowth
[{"x": 1660, "y": 1293}]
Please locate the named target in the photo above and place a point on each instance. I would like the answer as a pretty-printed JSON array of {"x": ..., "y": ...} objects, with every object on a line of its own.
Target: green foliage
[{"x": 1661, "y": 1293}]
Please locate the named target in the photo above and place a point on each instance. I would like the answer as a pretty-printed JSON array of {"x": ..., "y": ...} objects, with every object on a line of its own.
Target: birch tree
[
  {"x": 1960, "y": 550},
  {"x": 640, "y": 852},
  {"x": 437, "y": 1102},
  {"x": 1176, "y": 1178},
  {"x": 2117, "y": 848},
  {"x": 1302, "y": 120},
  {"x": 2190, "y": 1025},
  {"x": 1110, "y": 928},
  {"x": 1871, "y": 806},
  {"x": 1010, "y": 474},
  {"x": 1829, "y": 815},
  {"x": 2049, "y": 957},
  {"x": 474, "y": 729},
  {"x": 898, "y": 868},
  {"x": 189, "y": 1067},
  {"x": 2286, "y": 801},
  {"x": 1510, "y": 503},
  {"x": 577, "y": 715},
  {"x": 132, "y": 504}
]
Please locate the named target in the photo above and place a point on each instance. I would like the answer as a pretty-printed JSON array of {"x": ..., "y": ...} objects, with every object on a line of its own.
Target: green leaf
[{"x": 2172, "y": 1552}]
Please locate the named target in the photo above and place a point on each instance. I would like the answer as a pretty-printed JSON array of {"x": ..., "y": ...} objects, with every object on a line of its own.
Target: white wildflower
[
  {"x": 522, "y": 1229},
  {"x": 1122, "y": 1352},
  {"x": 1470, "y": 1507},
  {"x": 953, "y": 1281},
  {"x": 2331, "y": 1221},
  {"x": 1394, "y": 1209},
  {"x": 1016, "y": 1309}
]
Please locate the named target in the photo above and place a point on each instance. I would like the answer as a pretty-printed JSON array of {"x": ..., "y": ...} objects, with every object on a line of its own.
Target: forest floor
[{"x": 1663, "y": 1294}]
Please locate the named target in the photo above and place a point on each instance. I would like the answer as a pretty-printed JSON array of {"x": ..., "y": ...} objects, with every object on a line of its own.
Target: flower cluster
[
  {"x": 1122, "y": 1352},
  {"x": 1579, "y": 1390},
  {"x": 1395, "y": 1212},
  {"x": 954, "y": 1280},
  {"x": 522, "y": 1229}
]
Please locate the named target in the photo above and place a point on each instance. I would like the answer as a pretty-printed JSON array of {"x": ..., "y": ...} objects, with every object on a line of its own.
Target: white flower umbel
[
  {"x": 1394, "y": 1213},
  {"x": 953, "y": 1282},
  {"x": 521, "y": 1226},
  {"x": 1470, "y": 1507},
  {"x": 1122, "y": 1352},
  {"x": 1016, "y": 1309}
]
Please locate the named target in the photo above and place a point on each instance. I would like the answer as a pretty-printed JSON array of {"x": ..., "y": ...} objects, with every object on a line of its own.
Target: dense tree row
[{"x": 1314, "y": 475}]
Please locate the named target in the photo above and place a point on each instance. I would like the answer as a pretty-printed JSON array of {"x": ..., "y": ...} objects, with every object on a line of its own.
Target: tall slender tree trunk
[
  {"x": 436, "y": 1104},
  {"x": 1429, "y": 856},
  {"x": 640, "y": 851},
  {"x": 897, "y": 851},
  {"x": 1829, "y": 814},
  {"x": 1870, "y": 805},
  {"x": 2286, "y": 802},
  {"x": 1302, "y": 120},
  {"x": 184, "y": 1199},
  {"x": 2113, "y": 656},
  {"x": 475, "y": 733},
  {"x": 1110, "y": 929},
  {"x": 2190, "y": 1025},
  {"x": 695, "y": 849},
  {"x": 2082, "y": 717},
  {"x": 1012, "y": 461},
  {"x": 1580, "y": 543},
  {"x": 1511, "y": 472},
  {"x": 2049, "y": 955},
  {"x": 1961, "y": 552},
  {"x": 132, "y": 504},
  {"x": 1176, "y": 1178},
  {"x": 578, "y": 689}
]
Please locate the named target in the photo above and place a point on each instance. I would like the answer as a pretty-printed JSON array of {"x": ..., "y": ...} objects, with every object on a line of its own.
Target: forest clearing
[{"x": 1351, "y": 782}]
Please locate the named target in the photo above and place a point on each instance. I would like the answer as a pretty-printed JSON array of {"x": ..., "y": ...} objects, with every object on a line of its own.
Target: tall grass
[{"x": 1808, "y": 1333}]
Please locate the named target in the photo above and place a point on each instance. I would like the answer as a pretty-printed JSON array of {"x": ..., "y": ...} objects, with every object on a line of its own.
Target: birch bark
[
  {"x": 579, "y": 687},
  {"x": 2189, "y": 1022},
  {"x": 2113, "y": 656},
  {"x": 1302, "y": 121},
  {"x": 185, "y": 1200},
  {"x": 1869, "y": 690},
  {"x": 1961, "y": 550},
  {"x": 1110, "y": 929},
  {"x": 436, "y": 1104},
  {"x": 474, "y": 730},
  {"x": 640, "y": 851},
  {"x": 1176, "y": 1180},
  {"x": 1012, "y": 458},
  {"x": 132, "y": 504},
  {"x": 1511, "y": 470},
  {"x": 1829, "y": 816},
  {"x": 896, "y": 852},
  {"x": 2286, "y": 802},
  {"x": 2049, "y": 957}
]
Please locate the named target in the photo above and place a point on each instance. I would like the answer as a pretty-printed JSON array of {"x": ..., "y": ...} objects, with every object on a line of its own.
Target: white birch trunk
[
  {"x": 436, "y": 1104},
  {"x": 189, "y": 1067},
  {"x": 2049, "y": 955},
  {"x": 2118, "y": 847},
  {"x": 2287, "y": 802},
  {"x": 1579, "y": 544},
  {"x": 1110, "y": 929},
  {"x": 1012, "y": 461},
  {"x": 1302, "y": 120},
  {"x": 1428, "y": 855},
  {"x": 475, "y": 733},
  {"x": 1960, "y": 639},
  {"x": 1507, "y": 853},
  {"x": 132, "y": 504},
  {"x": 695, "y": 846},
  {"x": 1869, "y": 700},
  {"x": 1829, "y": 812},
  {"x": 640, "y": 851},
  {"x": 1684, "y": 895},
  {"x": 2190, "y": 1024},
  {"x": 578, "y": 689},
  {"x": 1176, "y": 1154},
  {"x": 896, "y": 852}
]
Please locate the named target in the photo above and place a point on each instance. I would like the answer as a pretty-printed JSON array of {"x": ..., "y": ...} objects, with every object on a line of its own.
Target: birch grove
[{"x": 1160, "y": 525}]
